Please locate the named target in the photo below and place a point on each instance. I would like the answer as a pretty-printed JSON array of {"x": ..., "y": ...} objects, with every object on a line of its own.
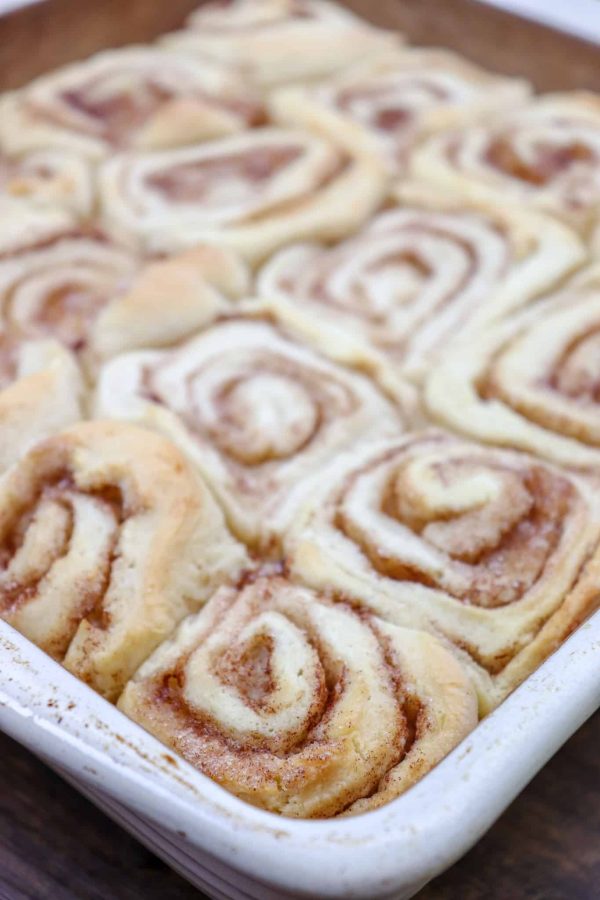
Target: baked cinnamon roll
[
  {"x": 301, "y": 706},
  {"x": 98, "y": 298},
  {"x": 137, "y": 97},
  {"x": 533, "y": 383},
  {"x": 546, "y": 153},
  {"x": 41, "y": 392},
  {"x": 58, "y": 287},
  {"x": 23, "y": 225},
  {"x": 107, "y": 540},
  {"x": 252, "y": 192},
  {"x": 398, "y": 98},
  {"x": 279, "y": 41},
  {"x": 492, "y": 550},
  {"x": 419, "y": 276},
  {"x": 47, "y": 177},
  {"x": 257, "y": 411}
]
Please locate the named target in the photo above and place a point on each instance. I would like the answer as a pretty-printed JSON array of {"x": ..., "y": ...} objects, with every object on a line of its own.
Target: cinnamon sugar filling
[
  {"x": 191, "y": 182},
  {"x": 243, "y": 414},
  {"x": 574, "y": 375},
  {"x": 52, "y": 506},
  {"x": 248, "y": 670},
  {"x": 501, "y": 559}
]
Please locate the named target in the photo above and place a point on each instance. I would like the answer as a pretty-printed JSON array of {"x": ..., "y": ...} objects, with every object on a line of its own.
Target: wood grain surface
[{"x": 54, "y": 845}]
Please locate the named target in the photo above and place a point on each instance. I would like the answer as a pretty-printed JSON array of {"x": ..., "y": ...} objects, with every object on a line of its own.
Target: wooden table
[{"x": 55, "y": 846}]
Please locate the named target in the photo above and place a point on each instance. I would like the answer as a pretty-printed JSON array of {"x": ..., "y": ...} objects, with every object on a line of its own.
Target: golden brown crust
[
  {"x": 107, "y": 540},
  {"x": 301, "y": 706}
]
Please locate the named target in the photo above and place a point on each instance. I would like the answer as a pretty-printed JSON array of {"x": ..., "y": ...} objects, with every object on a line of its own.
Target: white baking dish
[
  {"x": 234, "y": 851},
  {"x": 231, "y": 850},
  {"x": 580, "y": 17}
]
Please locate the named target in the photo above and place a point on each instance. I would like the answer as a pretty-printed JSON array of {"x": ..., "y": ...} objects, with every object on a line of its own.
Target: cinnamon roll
[
  {"x": 279, "y": 41},
  {"x": 419, "y": 275},
  {"x": 546, "y": 153},
  {"x": 58, "y": 287},
  {"x": 23, "y": 225},
  {"x": 494, "y": 551},
  {"x": 398, "y": 98},
  {"x": 107, "y": 540},
  {"x": 47, "y": 177},
  {"x": 41, "y": 392},
  {"x": 256, "y": 411},
  {"x": 301, "y": 706},
  {"x": 99, "y": 298},
  {"x": 252, "y": 192},
  {"x": 137, "y": 97},
  {"x": 532, "y": 383}
]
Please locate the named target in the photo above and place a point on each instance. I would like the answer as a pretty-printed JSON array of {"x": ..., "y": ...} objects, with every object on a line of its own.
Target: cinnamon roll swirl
[
  {"x": 98, "y": 298},
  {"x": 495, "y": 551},
  {"x": 252, "y": 192},
  {"x": 279, "y": 41},
  {"x": 107, "y": 540},
  {"x": 256, "y": 411},
  {"x": 301, "y": 706},
  {"x": 398, "y": 98},
  {"x": 47, "y": 177},
  {"x": 57, "y": 288},
  {"x": 533, "y": 383},
  {"x": 546, "y": 153},
  {"x": 137, "y": 97},
  {"x": 419, "y": 275}
]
